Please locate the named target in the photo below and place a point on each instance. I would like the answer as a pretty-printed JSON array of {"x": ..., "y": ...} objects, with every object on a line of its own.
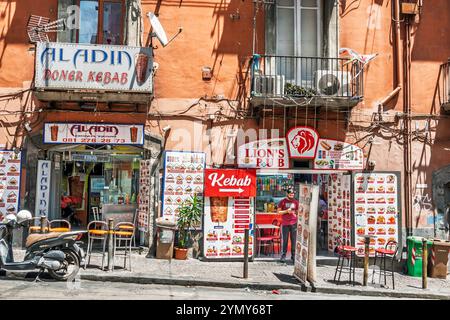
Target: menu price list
[
  {"x": 144, "y": 194},
  {"x": 183, "y": 177},
  {"x": 226, "y": 219},
  {"x": 339, "y": 210},
  {"x": 376, "y": 210},
  {"x": 10, "y": 167}
]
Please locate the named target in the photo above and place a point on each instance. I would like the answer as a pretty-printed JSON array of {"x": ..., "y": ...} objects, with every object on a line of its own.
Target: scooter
[{"x": 58, "y": 253}]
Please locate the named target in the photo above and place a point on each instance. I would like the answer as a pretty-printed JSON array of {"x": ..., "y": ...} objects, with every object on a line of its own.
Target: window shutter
[
  {"x": 133, "y": 23},
  {"x": 270, "y": 23},
  {"x": 69, "y": 34}
]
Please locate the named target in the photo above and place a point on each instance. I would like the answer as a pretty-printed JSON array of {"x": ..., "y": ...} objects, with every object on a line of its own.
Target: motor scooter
[{"x": 58, "y": 253}]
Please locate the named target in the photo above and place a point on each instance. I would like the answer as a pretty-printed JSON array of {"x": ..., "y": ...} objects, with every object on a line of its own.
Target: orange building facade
[{"x": 235, "y": 68}]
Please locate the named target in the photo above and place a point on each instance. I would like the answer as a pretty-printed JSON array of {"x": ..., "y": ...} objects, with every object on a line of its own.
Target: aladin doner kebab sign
[
  {"x": 99, "y": 67},
  {"x": 94, "y": 133}
]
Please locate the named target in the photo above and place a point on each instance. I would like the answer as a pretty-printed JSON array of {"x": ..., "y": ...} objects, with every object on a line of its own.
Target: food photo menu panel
[
  {"x": 339, "y": 210},
  {"x": 10, "y": 164},
  {"x": 377, "y": 209},
  {"x": 225, "y": 221},
  {"x": 183, "y": 177}
]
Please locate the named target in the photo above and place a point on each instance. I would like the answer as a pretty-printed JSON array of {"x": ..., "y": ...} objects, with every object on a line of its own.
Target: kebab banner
[
  {"x": 305, "y": 248},
  {"x": 377, "y": 209},
  {"x": 183, "y": 177},
  {"x": 225, "y": 221},
  {"x": 10, "y": 166}
]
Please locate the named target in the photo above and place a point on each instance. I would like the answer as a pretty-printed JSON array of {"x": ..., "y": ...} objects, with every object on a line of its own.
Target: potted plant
[{"x": 189, "y": 216}]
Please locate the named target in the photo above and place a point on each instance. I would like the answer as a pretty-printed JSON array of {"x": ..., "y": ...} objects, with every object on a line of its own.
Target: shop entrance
[
  {"x": 97, "y": 182},
  {"x": 271, "y": 190}
]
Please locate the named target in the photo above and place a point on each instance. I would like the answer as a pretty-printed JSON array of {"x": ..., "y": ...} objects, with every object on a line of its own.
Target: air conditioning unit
[
  {"x": 269, "y": 85},
  {"x": 333, "y": 83}
]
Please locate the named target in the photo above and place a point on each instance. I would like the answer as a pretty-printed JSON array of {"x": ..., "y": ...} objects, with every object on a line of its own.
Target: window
[
  {"x": 298, "y": 29},
  {"x": 99, "y": 21}
]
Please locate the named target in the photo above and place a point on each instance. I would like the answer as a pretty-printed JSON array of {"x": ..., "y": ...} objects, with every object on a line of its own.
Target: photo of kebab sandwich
[
  {"x": 12, "y": 197},
  {"x": 325, "y": 145},
  {"x": 11, "y": 209},
  {"x": 13, "y": 169},
  {"x": 13, "y": 182}
]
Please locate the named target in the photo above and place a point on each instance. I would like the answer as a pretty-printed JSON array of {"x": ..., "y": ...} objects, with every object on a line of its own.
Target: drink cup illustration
[
  {"x": 54, "y": 132},
  {"x": 219, "y": 209},
  {"x": 133, "y": 134},
  {"x": 141, "y": 67}
]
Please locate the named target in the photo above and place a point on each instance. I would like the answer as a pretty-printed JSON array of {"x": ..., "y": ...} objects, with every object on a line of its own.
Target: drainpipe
[{"x": 398, "y": 56}]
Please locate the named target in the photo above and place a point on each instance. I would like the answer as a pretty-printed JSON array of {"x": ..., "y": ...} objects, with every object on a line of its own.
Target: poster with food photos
[
  {"x": 225, "y": 221},
  {"x": 339, "y": 210},
  {"x": 10, "y": 167},
  {"x": 377, "y": 210},
  {"x": 338, "y": 155},
  {"x": 183, "y": 177},
  {"x": 144, "y": 194},
  {"x": 305, "y": 258}
]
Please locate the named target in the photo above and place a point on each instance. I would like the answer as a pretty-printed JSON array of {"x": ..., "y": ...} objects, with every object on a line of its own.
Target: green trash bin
[{"x": 415, "y": 267}]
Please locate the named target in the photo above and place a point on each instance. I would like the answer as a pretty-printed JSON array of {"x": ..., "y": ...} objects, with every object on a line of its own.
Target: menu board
[
  {"x": 10, "y": 167},
  {"x": 339, "y": 210},
  {"x": 305, "y": 258},
  {"x": 338, "y": 155},
  {"x": 183, "y": 177},
  {"x": 377, "y": 209},
  {"x": 225, "y": 221},
  {"x": 144, "y": 194}
]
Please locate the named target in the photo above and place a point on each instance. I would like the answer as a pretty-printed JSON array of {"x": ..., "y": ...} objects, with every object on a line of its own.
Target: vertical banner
[
  {"x": 10, "y": 167},
  {"x": 377, "y": 209},
  {"x": 43, "y": 188},
  {"x": 225, "y": 221},
  {"x": 144, "y": 195},
  {"x": 183, "y": 177},
  {"x": 305, "y": 249},
  {"x": 339, "y": 210}
]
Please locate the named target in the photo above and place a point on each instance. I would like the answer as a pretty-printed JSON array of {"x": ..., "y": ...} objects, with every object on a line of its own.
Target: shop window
[
  {"x": 96, "y": 21},
  {"x": 301, "y": 164}
]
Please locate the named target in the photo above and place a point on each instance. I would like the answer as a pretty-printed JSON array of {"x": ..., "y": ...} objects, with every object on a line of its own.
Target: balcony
[
  {"x": 294, "y": 81},
  {"x": 93, "y": 73},
  {"x": 445, "y": 86}
]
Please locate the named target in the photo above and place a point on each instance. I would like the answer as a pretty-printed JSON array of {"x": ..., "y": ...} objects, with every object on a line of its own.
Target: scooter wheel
[{"x": 69, "y": 268}]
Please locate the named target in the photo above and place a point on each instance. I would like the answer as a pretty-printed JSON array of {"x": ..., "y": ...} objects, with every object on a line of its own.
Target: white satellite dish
[{"x": 158, "y": 30}]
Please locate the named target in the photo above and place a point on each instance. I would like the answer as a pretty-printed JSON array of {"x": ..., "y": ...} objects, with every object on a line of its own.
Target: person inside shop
[
  {"x": 323, "y": 220},
  {"x": 288, "y": 208},
  {"x": 67, "y": 210}
]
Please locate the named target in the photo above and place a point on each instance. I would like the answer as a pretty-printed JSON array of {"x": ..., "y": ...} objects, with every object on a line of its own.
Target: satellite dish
[{"x": 158, "y": 30}]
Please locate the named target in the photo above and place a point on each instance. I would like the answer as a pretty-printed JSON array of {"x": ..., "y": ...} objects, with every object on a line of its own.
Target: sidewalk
[{"x": 263, "y": 275}]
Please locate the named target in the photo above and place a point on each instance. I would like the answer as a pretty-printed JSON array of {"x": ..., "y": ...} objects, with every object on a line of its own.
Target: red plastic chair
[
  {"x": 276, "y": 234},
  {"x": 265, "y": 241}
]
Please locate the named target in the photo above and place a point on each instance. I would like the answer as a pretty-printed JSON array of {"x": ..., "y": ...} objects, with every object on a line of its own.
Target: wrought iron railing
[{"x": 288, "y": 76}]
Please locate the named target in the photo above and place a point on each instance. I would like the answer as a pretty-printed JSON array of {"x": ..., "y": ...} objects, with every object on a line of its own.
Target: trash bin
[
  {"x": 438, "y": 258},
  {"x": 165, "y": 235},
  {"x": 415, "y": 255}
]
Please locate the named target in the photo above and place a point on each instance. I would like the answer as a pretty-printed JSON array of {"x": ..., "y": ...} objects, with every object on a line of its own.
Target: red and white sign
[
  {"x": 230, "y": 183},
  {"x": 302, "y": 142},
  {"x": 94, "y": 133},
  {"x": 338, "y": 155},
  {"x": 264, "y": 154}
]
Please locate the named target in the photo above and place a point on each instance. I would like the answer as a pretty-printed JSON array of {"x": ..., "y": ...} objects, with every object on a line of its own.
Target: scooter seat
[{"x": 35, "y": 237}]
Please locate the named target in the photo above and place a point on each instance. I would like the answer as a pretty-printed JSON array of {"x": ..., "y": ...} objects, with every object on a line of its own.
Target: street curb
[{"x": 259, "y": 286}]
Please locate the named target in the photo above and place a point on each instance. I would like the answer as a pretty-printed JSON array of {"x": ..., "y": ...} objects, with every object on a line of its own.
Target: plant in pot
[{"x": 189, "y": 217}]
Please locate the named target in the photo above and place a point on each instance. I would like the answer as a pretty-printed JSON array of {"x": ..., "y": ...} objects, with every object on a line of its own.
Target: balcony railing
[
  {"x": 303, "y": 77},
  {"x": 446, "y": 86}
]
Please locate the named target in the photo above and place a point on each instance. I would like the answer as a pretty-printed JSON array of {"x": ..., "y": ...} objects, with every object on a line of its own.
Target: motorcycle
[{"x": 58, "y": 253}]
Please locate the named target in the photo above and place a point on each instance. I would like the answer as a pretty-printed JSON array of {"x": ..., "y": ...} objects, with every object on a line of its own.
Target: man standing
[{"x": 288, "y": 207}]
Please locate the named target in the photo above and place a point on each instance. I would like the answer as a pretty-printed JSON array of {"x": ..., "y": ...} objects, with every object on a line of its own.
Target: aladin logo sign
[{"x": 93, "y": 129}]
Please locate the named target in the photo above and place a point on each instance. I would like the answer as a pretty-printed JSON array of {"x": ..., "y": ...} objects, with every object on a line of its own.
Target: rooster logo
[{"x": 303, "y": 141}]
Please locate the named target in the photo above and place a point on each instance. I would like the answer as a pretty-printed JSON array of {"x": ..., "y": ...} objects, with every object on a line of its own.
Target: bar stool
[
  {"x": 97, "y": 230},
  {"x": 123, "y": 239},
  {"x": 345, "y": 253},
  {"x": 60, "y": 226},
  {"x": 389, "y": 252}
]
